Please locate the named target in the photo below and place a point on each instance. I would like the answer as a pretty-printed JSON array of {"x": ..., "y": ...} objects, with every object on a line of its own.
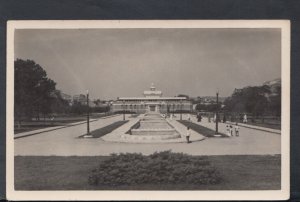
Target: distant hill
[
  {"x": 274, "y": 82},
  {"x": 275, "y": 86}
]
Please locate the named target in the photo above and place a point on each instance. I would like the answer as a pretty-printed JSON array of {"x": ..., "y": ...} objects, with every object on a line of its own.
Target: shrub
[{"x": 161, "y": 167}]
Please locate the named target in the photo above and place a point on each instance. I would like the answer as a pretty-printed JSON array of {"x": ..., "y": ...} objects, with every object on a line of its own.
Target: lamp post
[
  {"x": 123, "y": 110},
  {"x": 217, "y": 112},
  {"x": 173, "y": 108},
  {"x": 88, "y": 112},
  {"x": 180, "y": 110},
  {"x": 142, "y": 107},
  {"x": 168, "y": 108},
  {"x": 111, "y": 107}
]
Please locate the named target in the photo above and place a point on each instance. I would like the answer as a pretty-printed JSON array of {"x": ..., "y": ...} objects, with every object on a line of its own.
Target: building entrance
[{"x": 152, "y": 108}]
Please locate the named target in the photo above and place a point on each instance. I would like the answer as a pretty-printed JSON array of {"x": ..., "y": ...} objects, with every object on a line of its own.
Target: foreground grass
[
  {"x": 207, "y": 132},
  {"x": 106, "y": 129},
  {"x": 239, "y": 172}
]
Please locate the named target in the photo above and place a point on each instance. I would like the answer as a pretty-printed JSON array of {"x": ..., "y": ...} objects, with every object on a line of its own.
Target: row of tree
[
  {"x": 256, "y": 100},
  {"x": 36, "y": 94}
]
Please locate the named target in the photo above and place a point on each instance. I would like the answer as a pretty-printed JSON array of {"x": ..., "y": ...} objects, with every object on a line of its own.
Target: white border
[{"x": 282, "y": 194}]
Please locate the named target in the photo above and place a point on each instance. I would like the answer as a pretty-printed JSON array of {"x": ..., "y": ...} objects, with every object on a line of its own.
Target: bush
[{"x": 161, "y": 167}]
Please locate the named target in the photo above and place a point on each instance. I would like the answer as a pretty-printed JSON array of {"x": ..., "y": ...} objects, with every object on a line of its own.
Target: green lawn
[
  {"x": 30, "y": 125},
  {"x": 266, "y": 125},
  {"x": 239, "y": 172},
  {"x": 106, "y": 129},
  {"x": 207, "y": 132}
]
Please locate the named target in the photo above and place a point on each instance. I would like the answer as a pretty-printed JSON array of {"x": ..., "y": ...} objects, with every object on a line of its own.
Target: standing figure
[
  {"x": 224, "y": 118},
  {"x": 199, "y": 117},
  {"x": 245, "y": 118},
  {"x": 208, "y": 117},
  {"x": 171, "y": 116},
  {"x": 189, "y": 117},
  {"x": 237, "y": 130},
  {"x": 215, "y": 118},
  {"x": 231, "y": 130},
  {"x": 227, "y": 131},
  {"x": 188, "y": 134}
]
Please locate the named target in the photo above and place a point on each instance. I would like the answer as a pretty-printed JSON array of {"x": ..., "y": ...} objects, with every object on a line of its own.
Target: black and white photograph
[{"x": 148, "y": 110}]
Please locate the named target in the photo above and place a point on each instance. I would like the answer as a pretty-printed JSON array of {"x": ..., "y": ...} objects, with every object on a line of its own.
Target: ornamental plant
[{"x": 159, "y": 168}]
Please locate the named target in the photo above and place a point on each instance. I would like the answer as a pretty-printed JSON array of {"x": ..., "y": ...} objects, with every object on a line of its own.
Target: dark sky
[{"x": 113, "y": 63}]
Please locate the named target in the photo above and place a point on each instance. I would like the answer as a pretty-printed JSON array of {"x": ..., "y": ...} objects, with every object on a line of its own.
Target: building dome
[{"x": 153, "y": 93}]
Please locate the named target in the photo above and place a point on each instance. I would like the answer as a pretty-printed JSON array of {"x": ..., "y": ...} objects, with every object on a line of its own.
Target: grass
[
  {"x": 105, "y": 130},
  {"x": 239, "y": 172},
  {"x": 266, "y": 125},
  {"x": 30, "y": 125},
  {"x": 207, "y": 132}
]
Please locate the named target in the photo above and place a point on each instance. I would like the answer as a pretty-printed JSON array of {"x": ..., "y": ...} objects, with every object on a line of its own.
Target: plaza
[{"x": 65, "y": 142}]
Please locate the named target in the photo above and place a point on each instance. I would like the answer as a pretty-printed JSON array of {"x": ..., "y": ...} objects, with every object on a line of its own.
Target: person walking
[
  {"x": 227, "y": 130},
  {"x": 237, "y": 130},
  {"x": 224, "y": 118},
  {"x": 245, "y": 118},
  {"x": 188, "y": 134},
  {"x": 231, "y": 130},
  {"x": 189, "y": 117}
]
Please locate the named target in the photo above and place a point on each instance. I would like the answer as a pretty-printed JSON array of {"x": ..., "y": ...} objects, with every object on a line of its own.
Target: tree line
[
  {"x": 35, "y": 95},
  {"x": 254, "y": 100}
]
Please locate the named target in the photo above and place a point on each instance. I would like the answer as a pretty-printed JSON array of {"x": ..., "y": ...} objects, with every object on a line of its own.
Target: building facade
[
  {"x": 81, "y": 98},
  {"x": 152, "y": 101}
]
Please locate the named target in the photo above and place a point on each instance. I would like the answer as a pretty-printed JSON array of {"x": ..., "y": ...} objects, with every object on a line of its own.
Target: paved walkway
[{"x": 64, "y": 142}]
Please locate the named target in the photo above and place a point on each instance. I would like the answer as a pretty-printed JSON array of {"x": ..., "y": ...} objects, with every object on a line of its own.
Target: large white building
[{"x": 152, "y": 101}]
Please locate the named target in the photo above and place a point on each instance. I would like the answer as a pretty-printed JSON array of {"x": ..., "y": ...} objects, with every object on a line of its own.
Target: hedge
[{"x": 161, "y": 167}]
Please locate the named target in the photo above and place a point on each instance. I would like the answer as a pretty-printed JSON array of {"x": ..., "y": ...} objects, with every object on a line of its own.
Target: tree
[
  {"x": 33, "y": 89},
  {"x": 58, "y": 104},
  {"x": 249, "y": 99},
  {"x": 275, "y": 102},
  {"x": 208, "y": 107},
  {"x": 97, "y": 102}
]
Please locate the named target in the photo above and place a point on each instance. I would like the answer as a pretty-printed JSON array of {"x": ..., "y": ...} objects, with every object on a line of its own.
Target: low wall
[
  {"x": 154, "y": 125},
  {"x": 153, "y": 132}
]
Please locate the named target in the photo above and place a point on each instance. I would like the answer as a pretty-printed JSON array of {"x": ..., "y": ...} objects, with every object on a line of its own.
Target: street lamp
[
  {"x": 123, "y": 110},
  {"x": 111, "y": 107},
  {"x": 163, "y": 107},
  {"x": 173, "y": 108},
  {"x": 217, "y": 112},
  {"x": 180, "y": 110},
  {"x": 88, "y": 112}
]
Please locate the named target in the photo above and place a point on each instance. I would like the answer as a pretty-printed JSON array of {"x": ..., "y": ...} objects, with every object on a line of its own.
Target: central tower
[{"x": 153, "y": 93}]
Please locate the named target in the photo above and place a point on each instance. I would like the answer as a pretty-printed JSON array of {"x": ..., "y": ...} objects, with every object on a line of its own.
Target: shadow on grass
[
  {"x": 207, "y": 132},
  {"x": 105, "y": 130}
]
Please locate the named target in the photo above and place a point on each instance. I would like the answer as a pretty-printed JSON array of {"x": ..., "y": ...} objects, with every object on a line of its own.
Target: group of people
[
  {"x": 199, "y": 117},
  {"x": 171, "y": 116},
  {"x": 230, "y": 129}
]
